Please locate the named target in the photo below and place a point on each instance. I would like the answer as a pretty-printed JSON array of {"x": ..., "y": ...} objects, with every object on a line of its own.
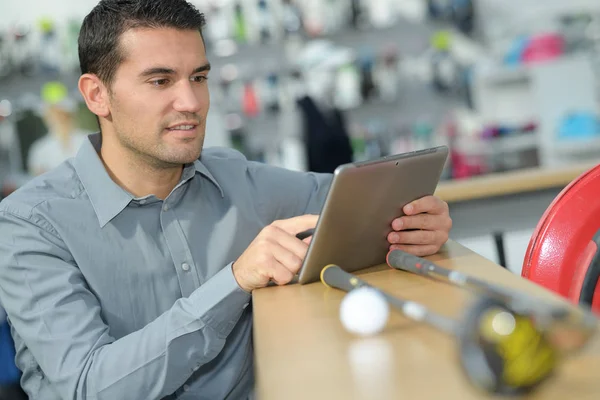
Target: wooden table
[{"x": 303, "y": 352}]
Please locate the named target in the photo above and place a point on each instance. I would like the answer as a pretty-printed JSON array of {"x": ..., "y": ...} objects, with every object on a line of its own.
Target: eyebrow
[{"x": 170, "y": 71}]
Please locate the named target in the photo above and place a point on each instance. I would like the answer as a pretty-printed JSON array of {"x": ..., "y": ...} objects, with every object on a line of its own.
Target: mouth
[{"x": 183, "y": 130}]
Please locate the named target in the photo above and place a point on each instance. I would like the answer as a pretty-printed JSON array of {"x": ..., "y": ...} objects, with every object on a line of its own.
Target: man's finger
[
  {"x": 295, "y": 225},
  {"x": 415, "y": 237},
  {"x": 415, "y": 249},
  {"x": 421, "y": 221},
  {"x": 292, "y": 244},
  {"x": 280, "y": 274},
  {"x": 397, "y": 224},
  {"x": 427, "y": 204},
  {"x": 287, "y": 259}
]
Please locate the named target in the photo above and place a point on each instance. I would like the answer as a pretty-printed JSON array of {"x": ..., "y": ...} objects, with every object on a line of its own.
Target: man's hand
[
  {"x": 275, "y": 254},
  {"x": 424, "y": 228}
]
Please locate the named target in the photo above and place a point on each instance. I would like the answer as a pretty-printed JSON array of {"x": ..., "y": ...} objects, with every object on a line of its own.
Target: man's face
[{"x": 159, "y": 96}]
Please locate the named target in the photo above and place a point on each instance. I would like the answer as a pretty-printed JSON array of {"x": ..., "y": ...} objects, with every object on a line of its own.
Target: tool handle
[
  {"x": 335, "y": 277},
  {"x": 404, "y": 261}
]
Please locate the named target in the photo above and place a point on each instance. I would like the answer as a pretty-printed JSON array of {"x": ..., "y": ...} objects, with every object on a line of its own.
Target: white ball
[{"x": 364, "y": 311}]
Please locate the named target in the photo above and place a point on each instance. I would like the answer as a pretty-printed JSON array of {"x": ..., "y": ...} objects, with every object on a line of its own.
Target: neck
[{"x": 137, "y": 176}]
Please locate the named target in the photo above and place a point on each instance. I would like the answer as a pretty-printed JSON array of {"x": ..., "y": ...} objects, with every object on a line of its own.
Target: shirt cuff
[{"x": 221, "y": 301}]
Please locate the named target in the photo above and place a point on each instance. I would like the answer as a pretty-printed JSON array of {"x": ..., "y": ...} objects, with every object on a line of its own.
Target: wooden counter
[
  {"x": 303, "y": 352},
  {"x": 508, "y": 183}
]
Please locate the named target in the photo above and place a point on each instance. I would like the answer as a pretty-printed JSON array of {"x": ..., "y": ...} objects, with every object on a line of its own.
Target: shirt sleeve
[
  {"x": 281, "y": 193},
  {"x": 59, "y": 319}
]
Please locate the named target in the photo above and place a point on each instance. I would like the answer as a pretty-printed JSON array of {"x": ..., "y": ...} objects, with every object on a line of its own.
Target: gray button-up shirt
[{"x": 116, "y": 297}]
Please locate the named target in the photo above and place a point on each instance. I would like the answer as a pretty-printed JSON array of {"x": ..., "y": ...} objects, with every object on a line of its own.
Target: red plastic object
[
  {"x": 562, "y": 246},
  {"x": 250, "y": 101},
  {"x": 543, "y": 48}
]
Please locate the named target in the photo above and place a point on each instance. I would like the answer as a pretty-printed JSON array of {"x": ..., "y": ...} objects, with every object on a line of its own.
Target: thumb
[{"x": 295, "y": 225}]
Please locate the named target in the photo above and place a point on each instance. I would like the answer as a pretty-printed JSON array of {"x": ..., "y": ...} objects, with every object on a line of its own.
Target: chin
[{"x": 185, "y": 158}]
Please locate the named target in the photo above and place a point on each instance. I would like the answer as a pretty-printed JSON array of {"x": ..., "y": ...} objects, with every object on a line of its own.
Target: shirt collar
[
  {"x": 109, "y": 199},
  {"x": 201, "y": 169}
]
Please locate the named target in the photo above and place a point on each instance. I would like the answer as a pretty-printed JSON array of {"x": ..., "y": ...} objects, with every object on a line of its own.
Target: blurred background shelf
[{"x": 578, "y": 148}]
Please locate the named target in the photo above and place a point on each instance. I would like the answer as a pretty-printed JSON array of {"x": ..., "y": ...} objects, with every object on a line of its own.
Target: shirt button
[
  {"x": 142, "y": 202},
  {"x": 186, "y": 388},
  {"x": 197, "y": 367},
  {"x": 165, "y": 207},
  {"x": 185, "y": 266}
]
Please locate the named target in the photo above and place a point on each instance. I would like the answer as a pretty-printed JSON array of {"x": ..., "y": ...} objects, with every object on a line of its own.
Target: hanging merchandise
[
  {"x": 291, "y": 20},
  {"x": 218, "y": 26},
  {"x": 401, "y": 144},
  {"x": 387, "y": 74},
  {"x": 50, "y": 49},
  {"x": 228, "y": 76},
  {"x": 5, "y": 64},
  {"x": 463, "y": 15},
  {"x": 367, "y": 86},
  {"x": 250, "y": 101},
  {"x": 335, "y": 15},
  {"x": 573, "y": 29},
  {"x": 543, "y": 48},
  {"x": 271, "y": 93},
  {"x": 422, "y": 132},
  {"x": 23, "y": 54},
  {"x": 293, "y": 154},
  {"x": 358, "y": 142},
  {"x": 347, "y": 93},
  {"x": 314, "y": 23},
  {"x": 292, "y": 88},
  {"x": 9, "y": 146},
  {"x": 358, "y": 16},
  {"x": 241, "y": 29},
  {"x": 237, "y": 133},
  {"x": 327, "y": 140},
  {"x": 381, "y": 13},
  {"x": 265, "y": 22},
  {"x": 444, "y": 67},
  {"x": 70, "y": 53},
  {"x": 438, "y": 9},
  {"x": 580, "y": 126},
  {"x": 293, "y": 30},
  {"x": 374, "y": 144}
]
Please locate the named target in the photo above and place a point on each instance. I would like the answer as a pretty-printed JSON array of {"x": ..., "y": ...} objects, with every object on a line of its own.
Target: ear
[{"x": 95, "y": 94}]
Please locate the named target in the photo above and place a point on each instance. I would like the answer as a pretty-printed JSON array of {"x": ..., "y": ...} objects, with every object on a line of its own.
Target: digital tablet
[{"x": 363, "y": 200}]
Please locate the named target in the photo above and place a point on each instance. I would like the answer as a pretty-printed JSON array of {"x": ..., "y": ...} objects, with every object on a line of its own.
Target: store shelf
[
  {"x": 574, "y": 147},
  {"x": 509, "y": 183},
  {"x": 500, "y": 145},
  {"x": 408, "y": 37}
]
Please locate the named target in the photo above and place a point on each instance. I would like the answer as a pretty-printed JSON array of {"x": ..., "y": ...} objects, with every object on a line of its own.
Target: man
[
  {"x": 63, "y": 138},
  {"x": 126, "y": 272}
]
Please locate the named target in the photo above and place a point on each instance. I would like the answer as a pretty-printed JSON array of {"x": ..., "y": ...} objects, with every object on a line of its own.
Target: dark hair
[{"x": 99, "y": 51}]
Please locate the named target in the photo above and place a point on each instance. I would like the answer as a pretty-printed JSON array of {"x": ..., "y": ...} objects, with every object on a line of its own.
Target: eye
[
  {"x": 199, "y": 78},
  {"x": 159, "y": 82}
]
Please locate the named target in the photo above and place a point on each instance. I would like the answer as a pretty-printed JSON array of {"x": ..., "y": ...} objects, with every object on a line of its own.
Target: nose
[{"x": 190, "y": 98}]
